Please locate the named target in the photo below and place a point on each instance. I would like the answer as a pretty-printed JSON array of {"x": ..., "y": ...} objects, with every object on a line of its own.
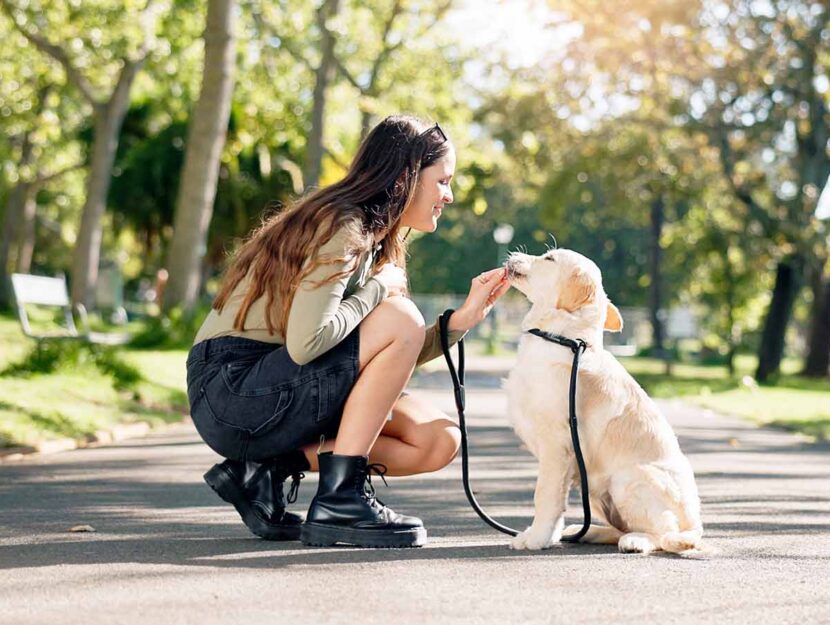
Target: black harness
[{"x": 577, "y": 347}]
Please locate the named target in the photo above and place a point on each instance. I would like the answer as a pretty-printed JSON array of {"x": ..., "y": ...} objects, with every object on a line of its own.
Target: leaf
[{"x": 82, "y": 528}]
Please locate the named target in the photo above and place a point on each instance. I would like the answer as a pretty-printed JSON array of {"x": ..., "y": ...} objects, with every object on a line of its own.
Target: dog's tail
[{"x": 677, "y": 542}]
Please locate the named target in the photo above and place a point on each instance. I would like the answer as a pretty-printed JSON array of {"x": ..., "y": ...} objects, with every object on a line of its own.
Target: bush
[{"x": 175, "y": 330}]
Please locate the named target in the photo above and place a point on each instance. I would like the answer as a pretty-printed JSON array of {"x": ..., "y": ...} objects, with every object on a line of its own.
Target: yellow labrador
[{"x": 642, "y": 487}]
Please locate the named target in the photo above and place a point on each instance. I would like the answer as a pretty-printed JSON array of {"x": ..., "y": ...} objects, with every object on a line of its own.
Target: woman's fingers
[
  {"x": 500, "y": 290},
  {"x": 492, "y": 274},
  {"x": 496, "y": 293}
]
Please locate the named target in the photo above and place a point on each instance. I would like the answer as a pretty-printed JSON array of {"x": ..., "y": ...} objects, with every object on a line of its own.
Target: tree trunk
[
  {"x": 818, "y": 346},
  {"x": 787, "y": 284},
  {"x": 731, "y": 334},
  {"x": 324, "y": 75},
  {"x": 26, "y": 234},
  {"x": 108, "y": 119},
  {"x": 655, "y": 295},
  {"x": 206, "y": 139},
  {"x": 11, "y": 218}
]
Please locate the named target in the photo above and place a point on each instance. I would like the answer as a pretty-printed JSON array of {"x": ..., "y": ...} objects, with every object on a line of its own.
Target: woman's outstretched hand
[{"x": 485, "y": 289}]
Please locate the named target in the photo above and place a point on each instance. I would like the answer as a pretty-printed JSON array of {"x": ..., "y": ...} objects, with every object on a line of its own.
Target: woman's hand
[
  {"x": 485, "y": 289},
  {"x": 394, "y": 278}
]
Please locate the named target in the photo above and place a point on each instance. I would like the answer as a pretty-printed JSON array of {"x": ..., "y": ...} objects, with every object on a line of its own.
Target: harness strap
[{"x": 577, "y": 346}]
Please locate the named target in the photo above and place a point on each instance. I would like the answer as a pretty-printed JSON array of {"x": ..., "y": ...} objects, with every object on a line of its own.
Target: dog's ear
[
  {"x": 578, "y": 291},
  {"x": 613, "y": 320}
]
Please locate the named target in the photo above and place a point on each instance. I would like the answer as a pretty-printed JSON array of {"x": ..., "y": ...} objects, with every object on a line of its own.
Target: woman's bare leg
[
  {"x": 419, "y": 438},
  {"x": 391, "y": 338}
]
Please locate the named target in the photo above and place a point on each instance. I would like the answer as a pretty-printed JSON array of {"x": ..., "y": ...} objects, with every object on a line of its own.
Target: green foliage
[
  {"x": 52, "y": 356},
  {"x": 175, "y": 330}
]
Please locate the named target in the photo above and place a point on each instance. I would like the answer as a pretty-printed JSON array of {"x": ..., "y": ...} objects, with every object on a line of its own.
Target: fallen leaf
[{"x": 82, "y": 528}]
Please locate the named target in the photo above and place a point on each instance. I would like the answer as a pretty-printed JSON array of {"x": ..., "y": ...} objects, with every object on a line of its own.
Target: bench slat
[{"x": 41, "y": 290}]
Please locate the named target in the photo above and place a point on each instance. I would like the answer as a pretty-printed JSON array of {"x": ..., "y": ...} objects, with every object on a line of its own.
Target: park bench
[{"x": 52, "y": 295}]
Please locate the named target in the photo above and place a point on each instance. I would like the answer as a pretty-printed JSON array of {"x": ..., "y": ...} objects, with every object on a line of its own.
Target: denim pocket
[{"x": 251, "y": 410}]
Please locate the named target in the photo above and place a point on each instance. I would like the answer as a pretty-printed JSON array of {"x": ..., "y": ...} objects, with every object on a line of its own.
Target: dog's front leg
[{"x": 549, "y": 500}]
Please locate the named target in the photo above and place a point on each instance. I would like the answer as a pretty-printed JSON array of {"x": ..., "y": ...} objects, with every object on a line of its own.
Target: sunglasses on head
[{"x": 435, "y": 129}]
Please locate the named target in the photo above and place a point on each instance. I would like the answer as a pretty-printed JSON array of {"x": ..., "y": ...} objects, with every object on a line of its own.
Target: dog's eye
[{"x": 550, "y": 258}]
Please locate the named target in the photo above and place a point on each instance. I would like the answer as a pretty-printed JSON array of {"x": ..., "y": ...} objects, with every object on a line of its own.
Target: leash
[{"x": 577, "y": 347}]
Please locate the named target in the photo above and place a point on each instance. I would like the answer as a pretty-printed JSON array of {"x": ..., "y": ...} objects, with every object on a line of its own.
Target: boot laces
[
  {"x": 291, "y": 497},
  {"x": 380, "y": 469}
]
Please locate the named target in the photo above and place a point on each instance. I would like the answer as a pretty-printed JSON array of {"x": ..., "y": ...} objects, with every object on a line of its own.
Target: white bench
[{"x": 52, "y": 293}]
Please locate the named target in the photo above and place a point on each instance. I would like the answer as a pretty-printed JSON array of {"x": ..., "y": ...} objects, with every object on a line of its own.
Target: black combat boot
[
  {"x": 345, "y": 509},
  {"x": 255, "y": 490}
]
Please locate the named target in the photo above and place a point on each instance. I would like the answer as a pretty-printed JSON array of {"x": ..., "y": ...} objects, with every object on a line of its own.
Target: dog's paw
[
  {"x": 534, "y": 539},
  {"x": 637, "y": 543}
]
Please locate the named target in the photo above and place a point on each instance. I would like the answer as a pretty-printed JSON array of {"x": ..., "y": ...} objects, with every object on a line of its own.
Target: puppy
[{"x": 642, "y": 488}]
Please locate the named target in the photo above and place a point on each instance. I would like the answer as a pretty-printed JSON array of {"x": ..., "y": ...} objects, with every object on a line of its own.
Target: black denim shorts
[{"x": 250, "y": 401}]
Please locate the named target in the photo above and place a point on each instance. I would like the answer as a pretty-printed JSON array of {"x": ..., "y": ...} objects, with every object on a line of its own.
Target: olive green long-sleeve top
[{"x": 320, "y": 316}]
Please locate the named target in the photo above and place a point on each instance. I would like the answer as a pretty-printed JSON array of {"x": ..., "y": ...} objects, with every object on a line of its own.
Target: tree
[
  {"x": 749, "y": 76},
  {"x": 40, "y": 123},
  {"x": 109, "y": 105},
  {"x": 767, "y": 98},
  {"x": 206, "y": 138}
]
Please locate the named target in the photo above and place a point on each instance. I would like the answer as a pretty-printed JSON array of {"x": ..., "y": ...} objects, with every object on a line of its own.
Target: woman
[{"x": 311, "y": 337}]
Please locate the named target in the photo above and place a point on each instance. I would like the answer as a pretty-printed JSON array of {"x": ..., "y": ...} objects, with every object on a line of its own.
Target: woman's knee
[
  {"x": 399, "y": 319},
  {"x": 444, "y": 446}
]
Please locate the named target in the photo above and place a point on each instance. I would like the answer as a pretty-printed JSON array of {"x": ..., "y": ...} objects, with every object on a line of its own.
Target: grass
[
  {"x": 794, "y": 403},
  {"x": 79, "y": 399}
]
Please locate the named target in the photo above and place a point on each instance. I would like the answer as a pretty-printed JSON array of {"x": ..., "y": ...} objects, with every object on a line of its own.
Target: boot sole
[
  {"x": 224, "y": 486},
  {"x": 321, "y": 535}
]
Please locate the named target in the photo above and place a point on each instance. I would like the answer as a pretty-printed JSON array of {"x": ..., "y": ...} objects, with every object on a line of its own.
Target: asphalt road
[{"x": 167, "y": 550}]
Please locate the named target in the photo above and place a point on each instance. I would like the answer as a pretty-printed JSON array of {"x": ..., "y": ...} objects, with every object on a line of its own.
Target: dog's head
[{"x": 562, "y": 280}]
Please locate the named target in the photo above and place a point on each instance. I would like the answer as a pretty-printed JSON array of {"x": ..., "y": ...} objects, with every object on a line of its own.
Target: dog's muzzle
[{"x": 514, "y": 269}]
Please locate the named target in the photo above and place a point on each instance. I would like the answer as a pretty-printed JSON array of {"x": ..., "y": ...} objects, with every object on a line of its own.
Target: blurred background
[{"x": 680, "y": 144}]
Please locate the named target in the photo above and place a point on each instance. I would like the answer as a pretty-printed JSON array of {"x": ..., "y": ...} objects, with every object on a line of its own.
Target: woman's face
[{"x": 431, "y": 194}]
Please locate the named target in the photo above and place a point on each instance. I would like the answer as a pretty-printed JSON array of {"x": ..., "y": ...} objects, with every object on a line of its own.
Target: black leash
[{"x": 577, "y": 347}]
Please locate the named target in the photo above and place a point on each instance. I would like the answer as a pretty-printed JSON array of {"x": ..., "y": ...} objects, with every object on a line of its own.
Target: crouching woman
[{"x": 311, "y": 338}]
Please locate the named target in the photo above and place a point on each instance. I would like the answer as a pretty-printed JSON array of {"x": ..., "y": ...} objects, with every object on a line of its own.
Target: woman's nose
[{"x": 448, "y": 196}]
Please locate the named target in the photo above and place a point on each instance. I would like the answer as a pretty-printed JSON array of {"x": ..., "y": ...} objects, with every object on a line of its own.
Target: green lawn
[
  {"x": 795, "y": 403},
  {"x": 77, "y": 401}
]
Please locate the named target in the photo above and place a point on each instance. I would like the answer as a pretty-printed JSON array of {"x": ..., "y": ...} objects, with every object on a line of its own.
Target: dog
[{"x": 642, "y": 487}]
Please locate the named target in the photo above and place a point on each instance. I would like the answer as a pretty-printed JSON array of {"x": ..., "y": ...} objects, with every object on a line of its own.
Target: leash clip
[{"x": 460, "y": 397}]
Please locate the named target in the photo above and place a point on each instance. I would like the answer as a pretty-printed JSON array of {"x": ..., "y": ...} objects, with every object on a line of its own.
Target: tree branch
[
  {"x": 41, "y": 179},
  {"x": 347, "y": 75},
  {"x": 56, "y": 52},
  {"x": 741, "y": 193}
]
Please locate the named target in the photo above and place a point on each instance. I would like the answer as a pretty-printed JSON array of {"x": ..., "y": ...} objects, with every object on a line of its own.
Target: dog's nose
[{"x": 512, "y": 264}]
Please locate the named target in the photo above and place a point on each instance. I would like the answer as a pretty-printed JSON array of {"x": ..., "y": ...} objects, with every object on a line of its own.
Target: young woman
[{"x": 312, "y": 338}]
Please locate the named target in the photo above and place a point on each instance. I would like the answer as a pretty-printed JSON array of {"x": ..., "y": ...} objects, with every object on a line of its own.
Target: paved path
[{"x": 166, "y": 550}]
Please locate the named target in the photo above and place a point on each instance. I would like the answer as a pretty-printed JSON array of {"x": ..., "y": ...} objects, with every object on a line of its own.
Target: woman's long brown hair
[{"x": 368, "y": 202}]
